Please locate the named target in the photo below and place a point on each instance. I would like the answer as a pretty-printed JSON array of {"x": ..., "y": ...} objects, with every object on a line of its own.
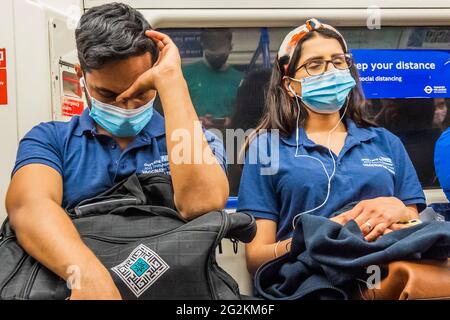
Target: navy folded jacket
[{"x": 326, "y": 258}]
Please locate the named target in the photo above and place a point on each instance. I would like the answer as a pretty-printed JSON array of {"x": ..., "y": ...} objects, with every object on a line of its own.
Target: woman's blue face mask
[
  {"x": 119, "y": 122},
  {"x": 326, "y": 93}
]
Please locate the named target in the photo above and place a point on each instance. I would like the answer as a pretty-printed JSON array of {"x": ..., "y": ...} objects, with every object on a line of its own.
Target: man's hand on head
[{"x": 166, "y": 68}]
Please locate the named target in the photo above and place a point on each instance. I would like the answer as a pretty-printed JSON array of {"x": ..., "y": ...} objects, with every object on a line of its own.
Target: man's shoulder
[
  {"x": 442, "y": 152},
  {"x": 235, "y": 76},
  {"x": 444, "y": 139},
  {"x": 237, "y": 73},
  {"x": 54, "y": 129}
]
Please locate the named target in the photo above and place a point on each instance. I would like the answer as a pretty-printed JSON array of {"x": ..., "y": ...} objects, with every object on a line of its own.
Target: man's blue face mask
[
  {"x": 119, "y": 122},
  {"x": 326, "y": 93}
]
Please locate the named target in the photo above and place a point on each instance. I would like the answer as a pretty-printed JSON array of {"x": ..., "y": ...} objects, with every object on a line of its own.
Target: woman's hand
[
  {"x": 399, "y": 226},
  {"x": 167, "y": 68},
  {"x": 376, "y": 216}
]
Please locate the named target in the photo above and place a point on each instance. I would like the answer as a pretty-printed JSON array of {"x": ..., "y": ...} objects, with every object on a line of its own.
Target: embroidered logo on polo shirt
[
  {"x": 141, "y": 269},
  {"x": 380, "y": 162},
  {"x": 158, "y": 166}
]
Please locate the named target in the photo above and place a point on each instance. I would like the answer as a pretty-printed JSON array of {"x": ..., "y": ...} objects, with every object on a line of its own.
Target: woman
[{"x": 327, "y": 155}]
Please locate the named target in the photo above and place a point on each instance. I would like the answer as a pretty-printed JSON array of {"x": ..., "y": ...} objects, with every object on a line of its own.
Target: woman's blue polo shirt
[{"x": 277, "y": 186}]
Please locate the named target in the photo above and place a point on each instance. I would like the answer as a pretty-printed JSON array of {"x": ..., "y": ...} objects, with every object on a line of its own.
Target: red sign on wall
[
  {"x": 2, "y": 58},
  {"x": 3, "y": 79},
  {"x": 72, "y": 107}
]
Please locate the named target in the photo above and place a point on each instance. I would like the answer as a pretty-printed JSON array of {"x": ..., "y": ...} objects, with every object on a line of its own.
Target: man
[
  {"x": 122, "y": 68},
  {"x": 212, "y": 82}
]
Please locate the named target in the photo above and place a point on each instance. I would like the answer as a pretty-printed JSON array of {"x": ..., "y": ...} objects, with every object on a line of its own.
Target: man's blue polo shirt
[
  {"x": 91, "y": 163},
  {"x": 373, "y": 163},
  {"x": 442, "y": 161}
]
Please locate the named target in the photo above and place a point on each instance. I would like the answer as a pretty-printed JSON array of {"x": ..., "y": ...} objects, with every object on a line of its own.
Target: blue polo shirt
[
  {"x": 277, "y": 186},
  {"x": 91, "y": 163},
  {"x": 442, "y": 161}
]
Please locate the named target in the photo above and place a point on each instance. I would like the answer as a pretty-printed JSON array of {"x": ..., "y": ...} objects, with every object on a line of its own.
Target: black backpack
[{"x": 150, "y": 251}]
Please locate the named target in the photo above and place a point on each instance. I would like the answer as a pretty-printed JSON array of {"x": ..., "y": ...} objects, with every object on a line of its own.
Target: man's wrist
[
  {"x": 89, "y": 271},
  {"x": 169, "y": 79}
]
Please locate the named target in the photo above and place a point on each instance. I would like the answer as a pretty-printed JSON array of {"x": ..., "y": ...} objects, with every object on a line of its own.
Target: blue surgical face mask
[
  {"x": 326, "y": 93},
  {"x": 119, "y": 122}
]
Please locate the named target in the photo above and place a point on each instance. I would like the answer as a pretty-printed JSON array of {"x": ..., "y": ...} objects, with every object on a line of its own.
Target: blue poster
[
  {"x": 187, "y": 41},
  {"x": 403, "y": 73}
]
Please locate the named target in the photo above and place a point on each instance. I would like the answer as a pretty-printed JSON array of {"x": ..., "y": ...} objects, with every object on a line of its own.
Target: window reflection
[
  {"x": 412, "y": 120},
  {"x": 212, "y": 81}
]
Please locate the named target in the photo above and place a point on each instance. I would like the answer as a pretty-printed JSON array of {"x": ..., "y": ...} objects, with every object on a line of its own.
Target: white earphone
[{"x": 329, "y": 177}]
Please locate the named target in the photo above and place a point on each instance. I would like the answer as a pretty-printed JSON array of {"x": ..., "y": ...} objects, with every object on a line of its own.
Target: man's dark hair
[{"x": 112, "y": 32}]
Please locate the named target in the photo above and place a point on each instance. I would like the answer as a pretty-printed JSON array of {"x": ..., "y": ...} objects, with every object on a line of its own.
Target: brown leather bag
[{"x": 413, "y": 280}]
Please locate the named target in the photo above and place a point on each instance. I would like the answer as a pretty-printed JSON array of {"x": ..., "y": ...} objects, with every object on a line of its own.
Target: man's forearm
[
  {"x": 199, "y": 185},
  {"x": 46, "y": 232}
]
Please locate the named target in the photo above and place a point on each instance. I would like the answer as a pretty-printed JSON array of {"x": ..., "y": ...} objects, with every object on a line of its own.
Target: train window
[
  {"x": 405, "y": 74},
  {"x": 406, "y": 81}
]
